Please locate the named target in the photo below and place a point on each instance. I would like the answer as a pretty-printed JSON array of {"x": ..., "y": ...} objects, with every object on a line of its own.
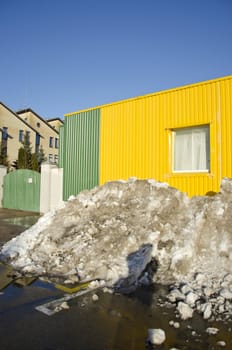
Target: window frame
[
  {"x": 4, "y": 141},
  {"x": 4, "y": 133},
  {"x": 51, "y": 142},
  {"x": 56, "y": 142},
  {"x": 208, "y": 158},
  {"x": 50, "y": 158},
  {"x": 21, "y": 134}
]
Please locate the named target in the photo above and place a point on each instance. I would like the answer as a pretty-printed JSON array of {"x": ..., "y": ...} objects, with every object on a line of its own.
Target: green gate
[{"x": 21, "y": 190}]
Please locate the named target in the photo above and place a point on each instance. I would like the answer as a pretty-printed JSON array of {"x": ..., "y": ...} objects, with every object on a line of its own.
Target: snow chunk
[
  {"x": 185, "y": 310},
  {"x": 212, "y": 330},
  {"x": 191, "y": 298},
  {"x": 207, "y": 311},
  {"x": 156, "y": 336},
  {"x": 221, "y": 343},
  {"x": 95, "y": 297},
  {"x": 175, "y": 295},
  {"x": 225, "y": 293},
  {"x": 174, "y": 324}
]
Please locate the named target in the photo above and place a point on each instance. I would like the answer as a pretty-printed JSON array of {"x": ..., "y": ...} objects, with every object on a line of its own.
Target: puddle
[
  {"x": 25, "y": 221},
  {"x": 114, "y": 321}
]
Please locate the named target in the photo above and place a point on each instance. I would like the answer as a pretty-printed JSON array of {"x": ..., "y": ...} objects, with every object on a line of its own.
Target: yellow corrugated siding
[
  {"x": 128, "y": 144},
  {"x": 136, "y": 138},
  {"x": 194, "y": 106},
  {"x": 226, "y": 126}
]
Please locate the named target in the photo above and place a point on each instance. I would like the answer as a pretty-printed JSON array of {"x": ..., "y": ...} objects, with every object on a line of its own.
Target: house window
[
  {"x": 4, "y": 133},
  {"x": 3, "y": 149},
  {"x": 37, "y": 143},
  {"x": 20, "y": 135},
  {"x": 56, "y": 143},
  {"x": 38, "y": 125},
  {"x": 50, "y": 141},
  {"x": 191, "y": 149},
  {"x": 50, "y": 158},
  {"x": 56, "y": 158}
]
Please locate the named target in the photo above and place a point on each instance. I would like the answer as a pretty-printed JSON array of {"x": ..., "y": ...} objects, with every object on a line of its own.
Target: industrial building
[{"x": 181, "y": 136}]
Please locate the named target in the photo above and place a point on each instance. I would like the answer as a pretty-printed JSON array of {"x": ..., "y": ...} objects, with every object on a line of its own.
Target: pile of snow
[{"x": 127, "y": 232}]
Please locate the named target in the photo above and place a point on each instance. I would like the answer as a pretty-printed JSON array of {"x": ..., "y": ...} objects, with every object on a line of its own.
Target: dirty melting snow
[{"x": 113, "y": 232}]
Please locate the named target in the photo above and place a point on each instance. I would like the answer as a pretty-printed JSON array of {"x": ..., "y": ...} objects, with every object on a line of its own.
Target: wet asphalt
[
  {"x": 111, "y": 322},
  {"x": 13, "y": 222}
]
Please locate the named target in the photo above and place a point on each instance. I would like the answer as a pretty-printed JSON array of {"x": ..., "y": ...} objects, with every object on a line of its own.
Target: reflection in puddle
[{"x": 25, "y": 221}]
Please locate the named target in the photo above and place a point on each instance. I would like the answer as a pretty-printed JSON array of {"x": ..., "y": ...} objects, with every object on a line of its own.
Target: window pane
[
  {"x": 200, "y": 150},
  {"x": 51, "y": 142},
  {"x": 183, "y": 150},
  {"x": 4, "y": 133},
  {"x": 20, "y": 135},
  {"x": 56, "y": 143},
  {"x": 191, "y": 149}
]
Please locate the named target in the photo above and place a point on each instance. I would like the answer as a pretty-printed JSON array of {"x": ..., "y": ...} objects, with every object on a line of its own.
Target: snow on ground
[{"x": 129, "y": 232}]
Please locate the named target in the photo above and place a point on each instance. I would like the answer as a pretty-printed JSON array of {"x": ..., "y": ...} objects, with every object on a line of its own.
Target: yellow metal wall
[
  {"x": 226, "y": 126},
  {"x": 136, "y": 135}
]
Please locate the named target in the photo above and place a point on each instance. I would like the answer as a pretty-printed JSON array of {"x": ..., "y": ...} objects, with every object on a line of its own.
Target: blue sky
[{"x": 59, "y": 56}]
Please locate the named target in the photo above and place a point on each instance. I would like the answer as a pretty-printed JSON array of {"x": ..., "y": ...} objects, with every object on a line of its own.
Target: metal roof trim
[{"x": 150, "y": 95}]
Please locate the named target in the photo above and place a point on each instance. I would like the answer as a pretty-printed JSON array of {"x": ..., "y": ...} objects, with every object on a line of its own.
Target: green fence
[{"x": 21, "y": 190}]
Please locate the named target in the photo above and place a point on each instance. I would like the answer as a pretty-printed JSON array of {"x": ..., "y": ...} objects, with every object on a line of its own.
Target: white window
[
  {"x": 191, "y": 149},
  {"x": 50, "y": 158}
]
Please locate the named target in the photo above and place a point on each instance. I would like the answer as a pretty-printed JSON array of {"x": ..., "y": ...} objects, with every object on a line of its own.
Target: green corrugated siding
[
  {"x": 61, "y": 147},
  {"x": 81, "y": 152},
  {"x": 21, "y": 190}
]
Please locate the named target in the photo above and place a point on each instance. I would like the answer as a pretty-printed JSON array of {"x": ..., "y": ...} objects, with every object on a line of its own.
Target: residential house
[
  {"x": 14, "y": 125},
  {"x": 12, "y": 129},
  {"x": 56, "y": 123},
  {"x": 47, "y": 135}
]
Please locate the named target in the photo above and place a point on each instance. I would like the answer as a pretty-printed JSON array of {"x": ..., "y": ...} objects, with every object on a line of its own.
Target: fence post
[
  {"x": 56, "y": 187},
  {"x": 51, "y": 187},
  {"x": 45, "y": 187},
  {"x": 3, "y": 171}
]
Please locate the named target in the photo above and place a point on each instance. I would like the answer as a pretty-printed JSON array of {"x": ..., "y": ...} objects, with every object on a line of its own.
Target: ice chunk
[
  {"x": 156, "y": 336},
  {"x": 175, "y": 295},
  {"x": 185, "y": 310},
  {"x": 95, "y": 297},
  {"x": 212, "y": 330},
  {"x": 221, "y": 343},
  {"x": 191, "y": 298},
  {"x": 225, "y": 293},
  {"x": 207, "y": 311},
  {"x": 186, "y": 289},
  {"x": 200, "y": 278}
]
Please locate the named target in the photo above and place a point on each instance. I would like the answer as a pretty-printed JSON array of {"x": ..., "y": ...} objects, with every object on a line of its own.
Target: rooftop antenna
[
  {"x": 26, "y": 93},
  {"x": 25, "y": 98}
]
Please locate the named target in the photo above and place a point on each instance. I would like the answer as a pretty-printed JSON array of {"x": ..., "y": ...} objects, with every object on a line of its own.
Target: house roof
[
  {"x": 18, "y": 117},
  {"x": 40, "y": 118},
  {"x": 53, "y": 119}
]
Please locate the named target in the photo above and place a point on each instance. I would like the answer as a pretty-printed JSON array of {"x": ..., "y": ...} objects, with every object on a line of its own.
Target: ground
[
  {"x": 9, "y": 226},
  {"x": 112, "y": 321}
]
